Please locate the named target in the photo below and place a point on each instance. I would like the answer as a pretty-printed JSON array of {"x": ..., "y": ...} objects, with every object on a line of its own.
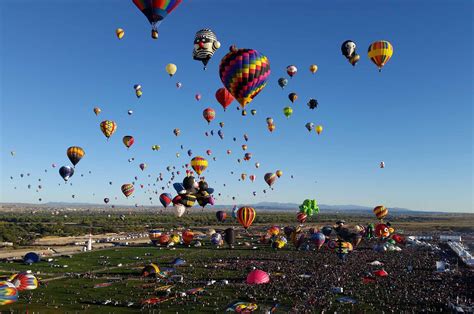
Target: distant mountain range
[{"x": 261, "y": 206}]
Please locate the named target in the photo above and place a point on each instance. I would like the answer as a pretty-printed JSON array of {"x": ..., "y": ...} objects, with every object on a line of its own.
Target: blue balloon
[
  {"x": 210, "y": 190},
  {"x": 66, "y": 172},
  {"x": 31, "y": 258},
  {"x": 179, "y": 188}
]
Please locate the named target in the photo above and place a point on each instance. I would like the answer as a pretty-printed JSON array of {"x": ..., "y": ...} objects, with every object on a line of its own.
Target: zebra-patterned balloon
[{"x": 205, "y": 44}]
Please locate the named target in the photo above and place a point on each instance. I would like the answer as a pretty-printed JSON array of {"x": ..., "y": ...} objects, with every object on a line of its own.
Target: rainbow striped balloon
[
  {"x": 246, "y": 216},
  {"x": 380, "y": 53},
  {"x": 244, "y": 72},
  {"x": 156, "y": 10},
  {"x": 8, "y": 293}
]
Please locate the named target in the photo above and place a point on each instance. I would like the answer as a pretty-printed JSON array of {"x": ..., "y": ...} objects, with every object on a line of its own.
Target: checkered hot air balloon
[
  {"x": 380, "y": 53},
  {"x": 199, "y": 164},
  {"x": 244, "y": 72},
  {"x": 246, "y": 216},
  {"x": 108, "y": 127},
  {"x": 380, "y": 212}
]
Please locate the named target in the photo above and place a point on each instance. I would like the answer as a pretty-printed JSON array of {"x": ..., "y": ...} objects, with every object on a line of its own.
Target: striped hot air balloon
[
  {"x": 8, "y": 293},
  {"x": 154, "y": 236},
  {"x": 270, "y": 178},
  {"x": 246, "y": 216},
  {"x": 301, "y": 217},
  {"x": 380, "y": 212},
  {"x": 128, "y": 140},
  {"x": 75, "y": 154},
  {"x": 165, "y": 199},
  {"x": 24, "y": 281},
  {"x": 380, "y": 53},
  {"x": 199, "y": 164},
  {"x": 244, "y": 72},
  {"x": 128, "y": 189},
  {"x": 108, "y": 127}
]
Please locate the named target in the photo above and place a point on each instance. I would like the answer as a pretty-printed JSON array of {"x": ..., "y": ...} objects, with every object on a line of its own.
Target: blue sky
[{"x": 60, "y": 59}]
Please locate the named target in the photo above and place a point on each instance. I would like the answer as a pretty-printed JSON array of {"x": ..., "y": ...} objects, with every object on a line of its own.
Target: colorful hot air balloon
[
  {"x": 318, "y": 238},
  {"x": 176, "y": 132},
  {"x": 246, "y": 216},
  {"x": 243, "y": 176},
  {"x": 257, "y": 277},
  {"x": 270, "y": 178},
  {"x": 252, "y": 177},
  {"x": 97, "y": 111},
  {"x": 8, "y": 293},
  {"x": 244, "y": 73},
  {"x": 279, "y": 173},
  {"x": 354, "y": 59},
  {"x": 171, "y": 69},
  {"x": 142, "y": 166},
  {"x": 287, "y": 111},
  {"x": 319, "y": 129},
  {"x": 165, "y": 199},
  {"x": 293, "y": 97},
  {"x": 75, "y": 154},
  {"x": 138, "y": 90},
  {"x": 24, "y": 281},
  {"x": 309, "y": 126},
  {"x": 380, "y": 53},
  {"x": 348, "y": 49},
  {"x": 108, "y": 128},
  {"x": 224, "y": 97},
  {"x": 209, "y": 114},
  {"x": 253, "y": 112},
  {"x": 120, "y": 33},
  {"x": 380, "y": 212},
  {"x": 199, "y": 164},
  {"x": 221, "y": 215},
  {"x": 205, "y": 44},
  {"x": 271, "y": 127},
  {"x": 156, "y": 11},
  {"x": 291, "y": 70},
  {"x": 282, "y": 82},
  {"x": 66, "y": 172},
  {"x": 128, "y": 141},
  {"x": 127, "y": 189},
  {"x": 313, "y": 68}
]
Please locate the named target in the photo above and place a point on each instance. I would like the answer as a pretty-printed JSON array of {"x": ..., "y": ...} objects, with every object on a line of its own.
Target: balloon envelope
[{"x": 257, "y": 277}]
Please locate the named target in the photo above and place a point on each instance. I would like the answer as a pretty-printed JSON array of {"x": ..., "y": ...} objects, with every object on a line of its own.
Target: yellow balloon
[
  {"x": 313, "y": 68},
  {"x": 171, "y": 69},
  {"x": 319, "y": 129},
  {"x": 120, "y": 33}
]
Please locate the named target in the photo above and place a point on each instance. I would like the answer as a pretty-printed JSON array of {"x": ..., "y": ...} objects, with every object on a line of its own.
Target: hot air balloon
[
  {"x": 354, "y": 59},
  {"x": 66, "y": 172},
  {"x": 309, "y": 126},
  {"x": 270, "y": 178},
  {"x": 106, "y": 200},
  {"x": 224, "y": 97},
  {"x": 8, "y": 293},
  {"x": 108, "y": 128},
  {"x": 301, "y": 217},
  {"x": 178, "y": 85},
  {"x": 252, "y": 177},
  {"x": 313, "y": 68},
  {"x": 216, "y": 239},
  {"x": 319, "y": 129},
  {"x": 382, "y": 164},
  {"x": 128, "y": 141},
  {"x": 291, "y": 70},
  {"x": 120, "y": 33},
  {"x": 271, "y": 127},
  {"x": 209, "y": 114},
  {"x": 165, "y": 199},
  {"x": 156, "y": 12},
  {"x": 31, "y": 257},
  {"x": 380, "y": 53},
  {"x": 197, "y": 97},
  {"x": 199, "y": 164},
  {"x": 318, "y": 239},
  {"x": 127, "y": 189},
  {"x": 142, "y": 166},
  {"x": 293, "y": 97},
  {"x": 257, "y": 164},
  {"x": 380, "y": 212},
  {"x": 138, "y": 90},
  {"x": 312, "y": 104},
  {"x": 209, "y": 152},
  {"x": 244, "y": 112},
  {"x": 75, "y": 154},
  {"x": 151, "y": 270},
  {"x": 176, "y": 132},
  {"x": 287, "y": 111},
  {"x": 269, "y": 120},
  {"x": 243, "y": 176},
  {"x": 154, "y": 236},
  {"x": 257, "y": 277},
  {"x": 187, "y": 236},
  {"x": 282, "y": 82},
  {"x": 156, "y": 147},
  {"x": 279, "y": 173},
  {"x": 205, "y": 44},
  {"x": 229, "y": 236},
  {"x": 253, "y": 112},
  {"x": 171, "y": 69},
  {"x": 244, "y": 147},
  {"x": 130, "y": 112},
  {"x": 221, "y": 134},
  {"x": 246, "y": 216},
  {"x": 24, "y": 281},
  {"x": 348, "y": 48},
  {"x": 244, "y": 73},
  {"x": 221, "y": 216},
  {"x": 97, "y": 111},
  {"x": 247, "y": 156}
]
